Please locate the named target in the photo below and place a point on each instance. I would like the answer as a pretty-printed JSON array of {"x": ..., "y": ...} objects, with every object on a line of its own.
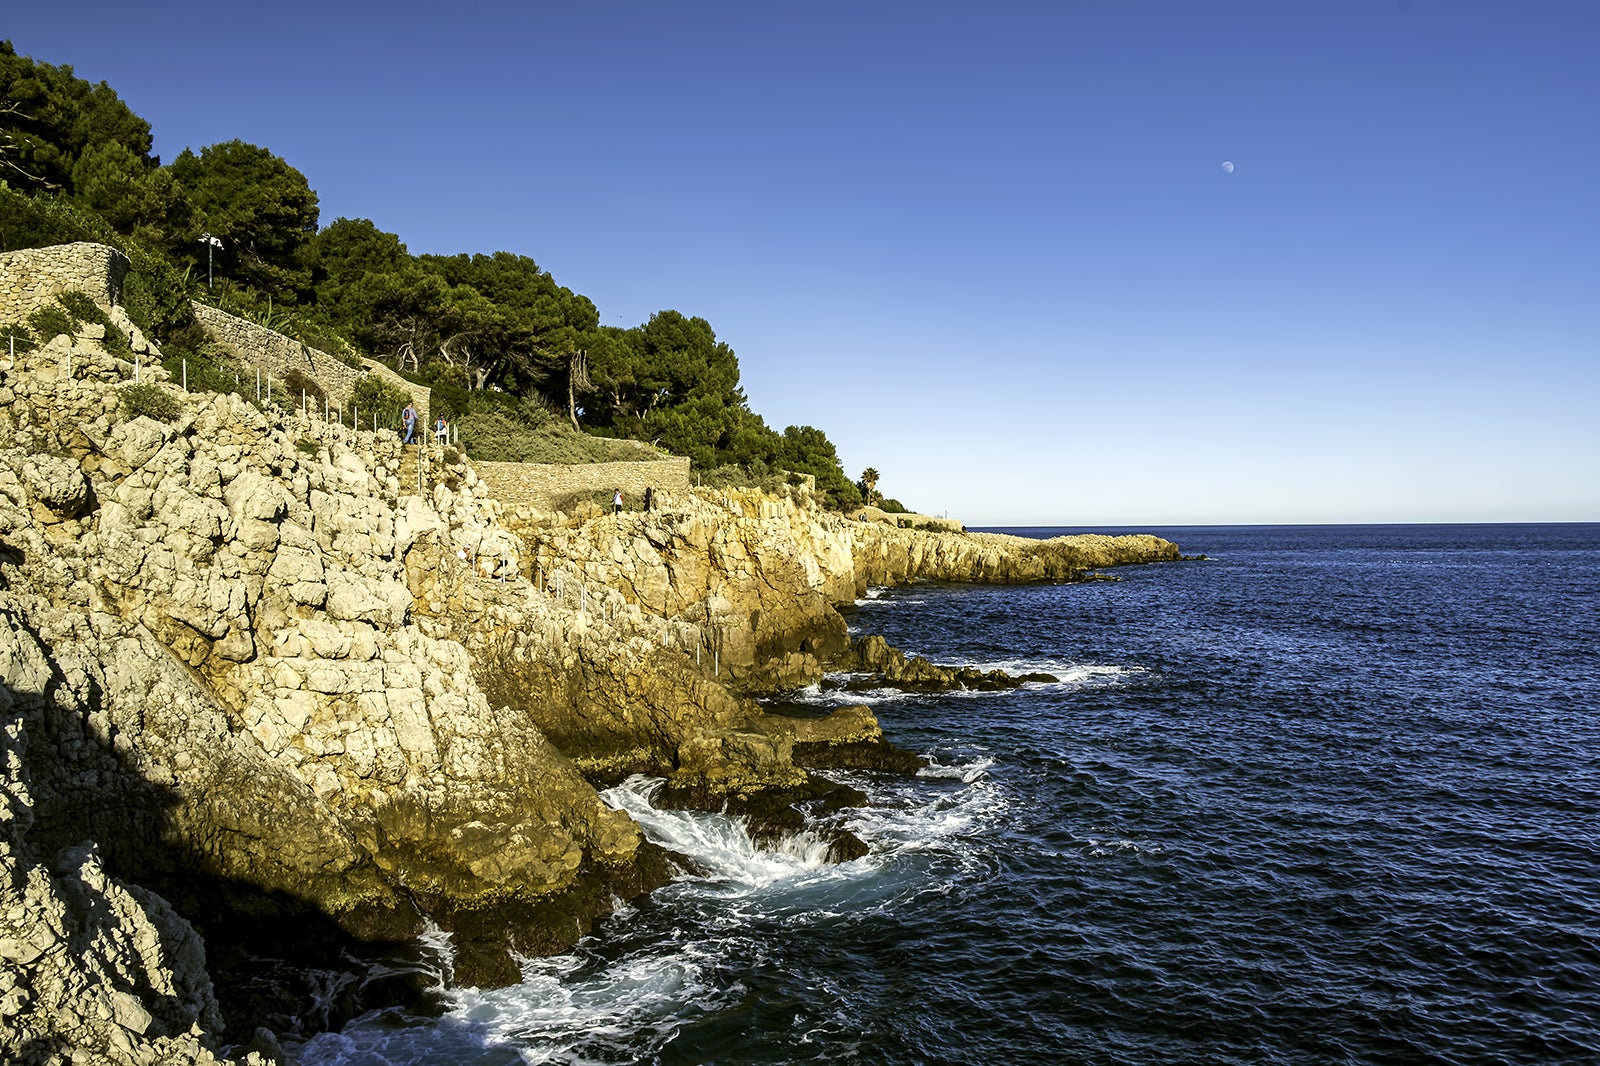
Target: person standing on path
[
  {"x": 616, "y": 502},
  {"x": 408, "y": 418},
  {"x": 441, "y": 430}
]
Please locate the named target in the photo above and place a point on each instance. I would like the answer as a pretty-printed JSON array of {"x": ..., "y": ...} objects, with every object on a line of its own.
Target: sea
[{"x": 1329, "y": 795}]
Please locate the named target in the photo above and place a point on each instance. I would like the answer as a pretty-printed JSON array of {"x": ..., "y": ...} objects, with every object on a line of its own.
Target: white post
[
  {"x": 302, "y": 403},
  {"x": 355, "y": 417},
  {"x": 269, "y": 388},
  {"x": 258, "y": 385},
  {"x": 186, "y": 373}
]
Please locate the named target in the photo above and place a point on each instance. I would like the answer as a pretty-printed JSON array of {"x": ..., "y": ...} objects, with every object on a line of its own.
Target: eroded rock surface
[{"x": 262, "y": 667}]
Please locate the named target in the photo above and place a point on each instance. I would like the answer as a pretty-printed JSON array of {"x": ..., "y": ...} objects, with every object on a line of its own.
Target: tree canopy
[{"x": 78, "y": 164}]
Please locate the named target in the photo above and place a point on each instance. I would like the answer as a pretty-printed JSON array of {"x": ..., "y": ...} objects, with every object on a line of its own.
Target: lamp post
[{"x": 211, "y": 243}]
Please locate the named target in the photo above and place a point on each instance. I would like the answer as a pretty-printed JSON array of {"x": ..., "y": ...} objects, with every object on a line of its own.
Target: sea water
[{"x": 1330, "y": 795}]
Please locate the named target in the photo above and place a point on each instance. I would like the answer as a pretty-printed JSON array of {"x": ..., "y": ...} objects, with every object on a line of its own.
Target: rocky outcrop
[
  {"x": 753, "y": 581},
  {"x": 281, "y": 685},
  {"x": 92, "y": 966},
  {"x": 233, "y": 695},
  {"x": 879, "y": 665},
  {"x": 264, "y": 669}
]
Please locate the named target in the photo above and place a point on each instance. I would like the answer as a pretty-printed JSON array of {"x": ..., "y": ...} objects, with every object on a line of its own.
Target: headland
[{"x": 260, "y": 672}]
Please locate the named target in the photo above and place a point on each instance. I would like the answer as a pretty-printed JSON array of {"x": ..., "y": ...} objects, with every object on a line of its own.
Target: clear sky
[{"x": 992, "y": 249}]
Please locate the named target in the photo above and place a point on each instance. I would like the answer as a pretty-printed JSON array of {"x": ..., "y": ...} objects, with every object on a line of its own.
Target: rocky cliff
[
  {"x": 755, "y": 580},
  {"x": 247, "y": 664}
]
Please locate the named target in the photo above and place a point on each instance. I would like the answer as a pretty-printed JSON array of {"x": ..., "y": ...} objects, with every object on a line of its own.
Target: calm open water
[{"x": 1329, "y": 797}]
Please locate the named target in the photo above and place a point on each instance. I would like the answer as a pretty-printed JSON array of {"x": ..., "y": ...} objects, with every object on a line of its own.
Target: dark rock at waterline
[
  {"x": 485, "y": 936},
  {"x": 892, "y": 669},
  {"x": 773, "y": 813}
]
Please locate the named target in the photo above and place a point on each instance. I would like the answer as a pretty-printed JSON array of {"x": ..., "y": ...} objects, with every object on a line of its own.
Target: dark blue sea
[{"x": 1331, "y": 795}]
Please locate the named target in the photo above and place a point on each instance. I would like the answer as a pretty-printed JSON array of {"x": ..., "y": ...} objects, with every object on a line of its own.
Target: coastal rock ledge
[{"x": 253, "y": 679}]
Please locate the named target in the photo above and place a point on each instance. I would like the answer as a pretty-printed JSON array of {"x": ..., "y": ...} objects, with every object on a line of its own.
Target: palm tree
[{"x": 869, "y": 483}]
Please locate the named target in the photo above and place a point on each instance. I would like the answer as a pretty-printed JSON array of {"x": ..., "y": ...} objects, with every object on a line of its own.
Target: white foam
[
  {"x": 622, "y": 996},
  {"x": 719, "y": 843},
  {"x": 878, "y": 596},
  {"x": 970, "y": 772},
  {"x": 817, "y": 696}
]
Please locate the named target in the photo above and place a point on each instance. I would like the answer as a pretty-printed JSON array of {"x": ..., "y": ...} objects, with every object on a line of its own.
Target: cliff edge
[{"x": 251, "y": 664}]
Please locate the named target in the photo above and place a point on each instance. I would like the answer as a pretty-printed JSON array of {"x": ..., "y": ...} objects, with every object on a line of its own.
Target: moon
[{"x": 1227, "y": 166}]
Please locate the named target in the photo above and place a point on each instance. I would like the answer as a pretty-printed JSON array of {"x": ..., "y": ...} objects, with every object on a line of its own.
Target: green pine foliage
[{"x": 76, "y": 164}]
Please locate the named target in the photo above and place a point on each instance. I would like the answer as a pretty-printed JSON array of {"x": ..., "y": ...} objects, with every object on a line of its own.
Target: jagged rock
[
  {"x": 756, "y": 579},
  {"x": 56, "y": 485},
  {"x": 889, "y": 667},
  {"x": 94, "y": 967},
  {"x": 280, "y": 690}
]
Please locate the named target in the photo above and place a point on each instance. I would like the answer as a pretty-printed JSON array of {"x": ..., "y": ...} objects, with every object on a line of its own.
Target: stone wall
[
  {"x": 542, "y": 486},
  {"x": 272, "y": 353},
  {"x": 33, "y": 277}
]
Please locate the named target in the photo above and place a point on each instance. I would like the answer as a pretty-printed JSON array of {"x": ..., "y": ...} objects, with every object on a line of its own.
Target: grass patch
[{"x": 509, "y": 430}]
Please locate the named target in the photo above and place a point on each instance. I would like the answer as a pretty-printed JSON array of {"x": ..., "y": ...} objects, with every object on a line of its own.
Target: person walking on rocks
[
  {"x": 616, "y": 502},
  {"x": 408, "y": 418},
  {"x": 441, "y": 430}
]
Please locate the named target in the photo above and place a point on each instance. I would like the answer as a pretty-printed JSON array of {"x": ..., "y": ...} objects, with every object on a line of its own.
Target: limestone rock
[{"x": 56, "y": 484}]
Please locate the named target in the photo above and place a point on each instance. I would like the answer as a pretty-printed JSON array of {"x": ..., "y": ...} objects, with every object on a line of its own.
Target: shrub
[
  {"x": 151, "y": 401},
  {"x": 297, "y": 381},
  {"x": 16, "y": 338},
  {"x": 499, "y": 435},
  {"x": 210, "y": 369},
  {"x": 82, "y": 309},
  {"x": 755, "y": 475},
  {"x": 51, "y": 321},
  {"x": 374, "y": 395}
]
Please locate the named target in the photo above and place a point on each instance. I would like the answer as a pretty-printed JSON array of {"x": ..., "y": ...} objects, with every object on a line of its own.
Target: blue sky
[{"x": 991, "y": 249}]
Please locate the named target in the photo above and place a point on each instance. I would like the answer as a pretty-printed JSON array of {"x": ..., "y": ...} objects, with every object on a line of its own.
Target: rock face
[
  {"x": 754, "y": 581},
  {"x": 207, "y": 629},
  {"x": 92, "y": 965},
  {"x": 262, "y": 670}
]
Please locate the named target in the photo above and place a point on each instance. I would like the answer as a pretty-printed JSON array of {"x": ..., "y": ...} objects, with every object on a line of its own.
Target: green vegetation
[
  {"x": 238, "y": 227},
  {"x": 374, "y": 396},
  {"x": 17, "y": 338},
  {"x": 151, "y": 401},
  {"x": 52, "y": 321}
]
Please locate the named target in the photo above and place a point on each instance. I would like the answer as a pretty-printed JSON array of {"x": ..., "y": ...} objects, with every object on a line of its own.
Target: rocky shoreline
[{"x": 250, "y": 679}]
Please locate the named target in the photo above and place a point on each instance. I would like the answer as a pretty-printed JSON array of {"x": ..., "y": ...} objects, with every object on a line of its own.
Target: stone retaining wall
[
  {"x": 272, "y": 353},
  {"x": 30, "y": 278},
  {"x": 542, "y": 486}
]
